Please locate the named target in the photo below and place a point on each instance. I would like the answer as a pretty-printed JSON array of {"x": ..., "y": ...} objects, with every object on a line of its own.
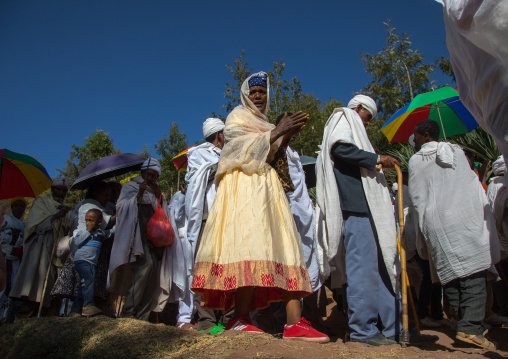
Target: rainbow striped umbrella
[
  {"x": 442, "y": 105},
  {"x": 21, "y": 175},
  {"x": 180, "y": 160}
]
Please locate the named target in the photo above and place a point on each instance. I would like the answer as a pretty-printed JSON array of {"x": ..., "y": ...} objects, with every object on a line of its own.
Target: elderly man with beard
[
  {"x": 47, "y": 222},
  {"x": 148, "y": 272}
]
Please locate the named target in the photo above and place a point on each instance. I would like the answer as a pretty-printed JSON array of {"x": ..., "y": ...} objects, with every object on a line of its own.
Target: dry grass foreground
[{"x": 103, "y": 337}]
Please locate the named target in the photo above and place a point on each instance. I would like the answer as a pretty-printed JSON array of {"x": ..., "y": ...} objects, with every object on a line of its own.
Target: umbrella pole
[
  {"x": 44, "y": 288},
  {"x": 178, "y": 185},
  {"x": 404, "y": 336},
  {"x": 440, "y": 119}
]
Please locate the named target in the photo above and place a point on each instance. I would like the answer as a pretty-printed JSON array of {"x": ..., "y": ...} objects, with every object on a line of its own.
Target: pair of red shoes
[{"x": 298, "y": 331}]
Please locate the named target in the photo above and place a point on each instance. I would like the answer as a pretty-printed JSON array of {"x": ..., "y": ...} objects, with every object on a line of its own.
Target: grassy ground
[{"x": 103, "y": 337}]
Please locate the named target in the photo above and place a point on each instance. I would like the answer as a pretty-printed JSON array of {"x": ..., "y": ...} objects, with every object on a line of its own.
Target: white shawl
[
  {"x": 303, "y": 214},
  {"x": 200, "y": 161},
  {"x": 476, "y": 36},
  {"x": 453, "y": 214},
  {"x": 345, "y": 126},
  {"x": 497, "y": 194},
  {"x": 177, "y": 211}
]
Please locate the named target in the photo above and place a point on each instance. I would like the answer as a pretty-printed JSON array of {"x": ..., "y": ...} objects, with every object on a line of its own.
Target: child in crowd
[{"x": 86, "y": 244}]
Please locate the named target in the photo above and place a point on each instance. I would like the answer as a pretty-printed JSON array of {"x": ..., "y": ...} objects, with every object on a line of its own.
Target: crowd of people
[{"x": 245, "y": 235}]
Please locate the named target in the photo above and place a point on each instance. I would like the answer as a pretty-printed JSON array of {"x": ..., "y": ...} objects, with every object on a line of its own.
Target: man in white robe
[
  {"x": 202, "y": 165},
  {"x": 48, "y": 221},
  {"x": 457, "y": 227},
  {"x": 303, "y": 211},
  {"x": 497, "y": 195},
  {"x": 355, "y": 225},
  {"x": 136, "y": 264},
  {"x": 186, "y": 304},
  {"x": 476, "y": 33}
]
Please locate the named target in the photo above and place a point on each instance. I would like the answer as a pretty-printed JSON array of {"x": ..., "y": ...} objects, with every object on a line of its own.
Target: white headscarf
[
  {"x": 499, "y": 166},
  {"x": 152, "y": 164},
  {"x": 211, "y": 126},
  {"x": 59, "y": 181},
  {"x": 395, "y": 187},
  {"x": 367, "y": 103}
]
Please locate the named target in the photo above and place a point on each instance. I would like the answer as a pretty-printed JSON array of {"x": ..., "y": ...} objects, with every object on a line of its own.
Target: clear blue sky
[{"x": 132, "y": 68}]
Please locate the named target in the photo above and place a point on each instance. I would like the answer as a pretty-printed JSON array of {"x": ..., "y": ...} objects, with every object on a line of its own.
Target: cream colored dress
[{"x": 250, "y": 237}]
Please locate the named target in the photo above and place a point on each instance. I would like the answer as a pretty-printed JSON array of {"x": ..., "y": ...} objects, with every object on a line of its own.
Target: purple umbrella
[{"x": 108, "y": 167}]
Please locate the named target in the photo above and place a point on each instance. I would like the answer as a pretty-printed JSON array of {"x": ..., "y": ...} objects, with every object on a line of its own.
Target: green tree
[
  {"x": 97, "y": 145},
  {"x": 398, "y": 73},
  {"x": 240, "y": 70},
  {"x": 445, "y": 65},
  {"x": 168, "y": 147}
]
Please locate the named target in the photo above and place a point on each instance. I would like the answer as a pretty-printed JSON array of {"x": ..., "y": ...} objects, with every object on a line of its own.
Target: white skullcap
[
  {"x": 367, "y": 103},
  {"x": 395, "y": 187},
  {"x": 211, "y": 126},
  {"x": 59, "y": 181},
  {"x": 151, "y": 164},
  {"x": 499, "y": 166}
]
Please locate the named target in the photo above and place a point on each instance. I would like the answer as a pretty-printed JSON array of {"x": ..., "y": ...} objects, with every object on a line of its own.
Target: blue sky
[{"x": 132, "y": 68}]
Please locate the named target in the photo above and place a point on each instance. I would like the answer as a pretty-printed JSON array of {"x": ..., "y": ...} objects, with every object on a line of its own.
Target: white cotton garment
[
  {"x": 453, "y": 214},
  {"x": 476, "y": 36},
  {"x": 201, "y": 160},
  {"x": 303, "y": 214},
  {"x": 345, "y": 126}
]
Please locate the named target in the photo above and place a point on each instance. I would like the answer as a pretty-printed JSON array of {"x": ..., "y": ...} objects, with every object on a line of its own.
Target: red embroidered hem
[{"x": 217, "y": 283}]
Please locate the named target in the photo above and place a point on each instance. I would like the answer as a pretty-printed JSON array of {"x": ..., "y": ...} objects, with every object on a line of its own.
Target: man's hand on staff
[
  {"x": 388, "y": 161},
  {"x": 142, "y": 189},
  {"x": 289, "y": 125}
]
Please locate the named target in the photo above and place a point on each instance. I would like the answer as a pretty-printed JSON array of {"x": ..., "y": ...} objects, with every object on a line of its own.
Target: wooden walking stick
[
  {"x": 411, "y": 301},
  {"x": 53, "y": 250},
  {"x": 404, "y": 336}
]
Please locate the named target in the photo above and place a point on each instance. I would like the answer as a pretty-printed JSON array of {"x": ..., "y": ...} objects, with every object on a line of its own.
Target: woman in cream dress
[{"x": 250, "y": 252}]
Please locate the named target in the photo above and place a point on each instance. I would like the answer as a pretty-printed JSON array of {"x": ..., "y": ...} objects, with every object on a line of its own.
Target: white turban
[
  {"x": 499, "y": 166},
  {"x": 151, "y": 164},
  {"x": 211, "y": 126},
  {"x": 367, "y": 103},
  {"x": 59, "y": 181},
  {"x": 395, "y": 187}
]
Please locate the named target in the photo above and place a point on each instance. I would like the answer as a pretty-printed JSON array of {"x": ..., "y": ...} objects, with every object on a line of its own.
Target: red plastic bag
[{"x": 159, "y": 230}]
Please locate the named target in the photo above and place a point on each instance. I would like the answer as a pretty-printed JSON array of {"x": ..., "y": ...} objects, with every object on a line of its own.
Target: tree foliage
[
  {"x": 97, "y": 145},
  {"x": 168, "y": 147},
  {"x": 398, "y": 73}
]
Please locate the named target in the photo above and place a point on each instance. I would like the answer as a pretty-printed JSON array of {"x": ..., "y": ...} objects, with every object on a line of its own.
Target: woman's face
[
  {"x": 18, "y": 208},
  {"x": 258, "y": 95}
]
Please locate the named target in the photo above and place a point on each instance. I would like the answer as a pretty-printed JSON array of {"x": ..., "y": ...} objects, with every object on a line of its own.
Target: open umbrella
[
  {"x": 107, "y": 167},
  {"x": 442, "y": 105},
  {"x": 180, "y": 160},
  {"x": 21, "y": 175}
]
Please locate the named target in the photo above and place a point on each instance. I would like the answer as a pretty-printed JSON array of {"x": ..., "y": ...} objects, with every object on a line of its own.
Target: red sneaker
[
  {"x": 242, "y": 324},
  {"x": 303, "y": 331}
]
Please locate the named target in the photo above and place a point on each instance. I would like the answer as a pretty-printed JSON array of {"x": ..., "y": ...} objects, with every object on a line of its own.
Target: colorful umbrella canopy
[
  {"x": 442, "y": 105},
  {"x": 21, "y": 175},
  {"x": 180, "y": 160},
  {"x": 107, "y": 167}
]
